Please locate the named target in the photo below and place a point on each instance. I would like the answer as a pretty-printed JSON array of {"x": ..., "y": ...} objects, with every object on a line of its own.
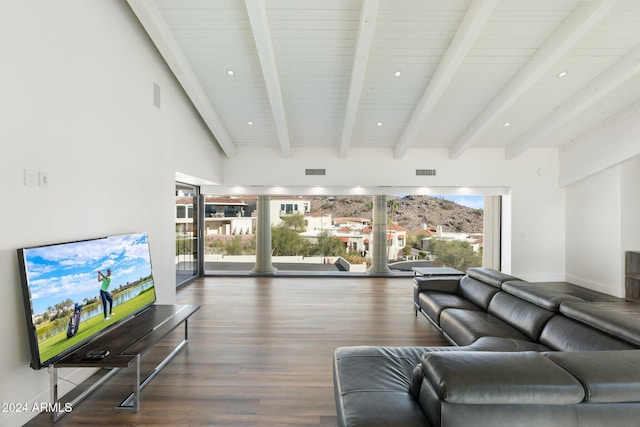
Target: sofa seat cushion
[
  {"x": 371, "y": 386},
  {"x": 432, "y": 303},
  {"x": 564, "y": 334},
  {"x": 463, "y": 327},
  {"x": 607, "y": 376},
  {"x": 546, "y": 295},
  {"x": 618, "y": 325},
  {"x": 500, "y": 378}
]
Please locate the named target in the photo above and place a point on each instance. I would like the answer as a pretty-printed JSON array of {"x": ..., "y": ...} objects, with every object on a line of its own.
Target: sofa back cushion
[
  {"x": 563, "y": 334},
  {"x": 476, "y": 291},
  {"x": 489, "y": 276},
  {"x": 547, "y": 295},
  {"x": 522, "y": 315},
  {"x": 618, "y": 325},
  {"x": 607, "y": 376}
]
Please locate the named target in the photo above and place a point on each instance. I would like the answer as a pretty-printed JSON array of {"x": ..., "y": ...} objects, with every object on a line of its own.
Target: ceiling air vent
[
  {"x": 425, "y": 172},
  {"x": 315, "y": 171}
]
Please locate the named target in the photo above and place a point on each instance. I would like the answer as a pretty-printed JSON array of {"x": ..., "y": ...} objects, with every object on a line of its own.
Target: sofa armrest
[
  {"x": 448, "y": 284},
  {"x": 437, "y": 283}
]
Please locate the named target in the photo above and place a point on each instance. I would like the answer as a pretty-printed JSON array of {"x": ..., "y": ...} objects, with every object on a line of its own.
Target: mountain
[{"x": 413, "y": 213}]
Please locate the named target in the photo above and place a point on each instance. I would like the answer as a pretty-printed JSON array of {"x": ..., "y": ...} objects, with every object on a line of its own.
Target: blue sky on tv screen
[{"x": 70, "y": 270}]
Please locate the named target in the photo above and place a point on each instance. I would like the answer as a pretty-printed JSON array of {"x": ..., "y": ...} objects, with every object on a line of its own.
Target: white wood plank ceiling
[{"x": 400, "y": 74}]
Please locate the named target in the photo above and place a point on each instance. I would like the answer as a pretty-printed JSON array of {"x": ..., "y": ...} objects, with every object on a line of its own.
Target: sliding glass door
[
  {"x": 334, "y": 234},
  {"x": 187, "y": 241}
]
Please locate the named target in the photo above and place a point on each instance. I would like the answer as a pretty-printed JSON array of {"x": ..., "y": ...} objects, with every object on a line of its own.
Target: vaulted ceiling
[{"x": 400, "y": 74}]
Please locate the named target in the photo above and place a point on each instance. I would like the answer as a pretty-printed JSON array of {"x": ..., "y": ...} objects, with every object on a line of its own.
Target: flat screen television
[{"x": 75, "y": 291}]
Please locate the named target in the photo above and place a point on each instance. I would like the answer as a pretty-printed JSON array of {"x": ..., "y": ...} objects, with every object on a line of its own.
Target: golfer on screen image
[{"x": 104, "y": 292}]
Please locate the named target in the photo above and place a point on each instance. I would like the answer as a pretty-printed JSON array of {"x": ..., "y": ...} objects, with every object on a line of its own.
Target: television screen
[{"x": 74, "y": 291}]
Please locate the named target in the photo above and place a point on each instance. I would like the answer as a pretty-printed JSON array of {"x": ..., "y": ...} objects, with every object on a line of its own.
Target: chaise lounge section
[{"x": 523, "y": 354}]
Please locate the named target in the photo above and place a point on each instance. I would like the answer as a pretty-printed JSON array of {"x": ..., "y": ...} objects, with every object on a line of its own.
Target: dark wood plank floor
[{"x": 260, "y": 352}]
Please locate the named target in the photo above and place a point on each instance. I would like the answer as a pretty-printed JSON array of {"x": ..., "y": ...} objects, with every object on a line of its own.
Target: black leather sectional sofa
[{"x": 523, "y": 354}]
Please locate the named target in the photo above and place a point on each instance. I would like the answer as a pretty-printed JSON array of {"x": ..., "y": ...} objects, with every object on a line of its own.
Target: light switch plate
[{"x": 30, "y": 178}]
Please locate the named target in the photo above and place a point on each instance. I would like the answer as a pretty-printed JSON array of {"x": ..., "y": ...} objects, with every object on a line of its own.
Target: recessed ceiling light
[
  {"x": 397, "y": 73},
  {"x": 231, "y": 73},
  {"x": 250, "y": 123},
  {"x": 379, "y": 124},
  {"x": 507, "y": 124},
  {"x": 561, "y": 74}
]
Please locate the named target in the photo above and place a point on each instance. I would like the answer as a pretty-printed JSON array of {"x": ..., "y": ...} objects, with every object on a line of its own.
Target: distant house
[
  {"x": 357, "y": 235},
  {"x": 233, "y": 216},
  {"x": 184, "y": 216},
  {"x": 280, "y": 207},
  {"x": 228, "y": 216},
  {"x": 474, "y": 239},
  {"x": 318, "y": 221},
  {"x": 222, "y": 215}
]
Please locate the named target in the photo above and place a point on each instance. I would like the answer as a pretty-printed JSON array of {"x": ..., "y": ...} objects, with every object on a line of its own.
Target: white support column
[
  {"x": 379, "y": 237},
  {"x": 263, "y": 238},
  {"x": 491, "y": 232}
]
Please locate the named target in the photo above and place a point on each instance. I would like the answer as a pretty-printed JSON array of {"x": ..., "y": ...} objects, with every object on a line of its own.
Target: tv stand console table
[{"x": 126, "y": 343}]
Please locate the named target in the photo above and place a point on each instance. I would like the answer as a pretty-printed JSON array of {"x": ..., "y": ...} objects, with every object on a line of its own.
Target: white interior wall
[
  {"x": 601, "y": 173},
  {"x": 491, "y": 232},
  {"x": 505, "y": 235},
  {"x": 594, "y": 232},
  {"x": 631, "y": 204},
  {"x": 603, "y": 221},
  {"x": 77, "y": 103}
]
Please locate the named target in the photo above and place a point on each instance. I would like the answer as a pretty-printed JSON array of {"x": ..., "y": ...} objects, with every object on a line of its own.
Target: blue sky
[
  {"x": 473, "y": 201},
  {"x": 70, "y": 270}
]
